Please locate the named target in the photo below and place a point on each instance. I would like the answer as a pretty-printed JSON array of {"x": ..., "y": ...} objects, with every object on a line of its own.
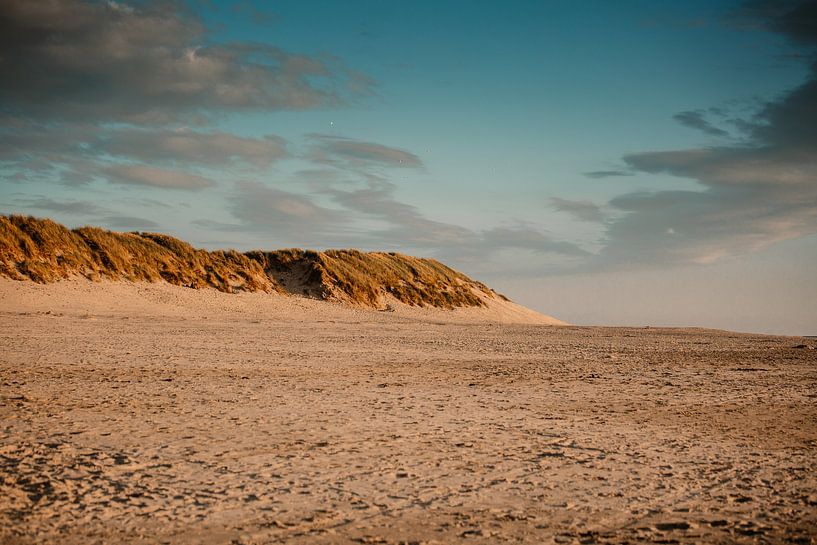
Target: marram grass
[{"x": 45, "y": 251}]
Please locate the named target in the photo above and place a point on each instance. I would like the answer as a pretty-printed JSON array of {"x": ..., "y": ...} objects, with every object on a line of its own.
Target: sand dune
[
  {"x": 44, "y": 251},
  {"x": 150, "y": 413}
]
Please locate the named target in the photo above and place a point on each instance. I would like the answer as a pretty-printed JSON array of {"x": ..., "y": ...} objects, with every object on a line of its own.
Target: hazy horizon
[{"x": 609, "y": 164}]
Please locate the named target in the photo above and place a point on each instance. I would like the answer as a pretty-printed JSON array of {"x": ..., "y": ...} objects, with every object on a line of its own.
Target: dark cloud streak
[
  {"x": 348, "y": 153},
  {"x": 156, "y": 177},
  {"x": 184, "y": 146},
  {"x": 696, "y": 120},
  {"x": 596, "y": 174},
  {"x": 84, "y": 208},
  {"x": 129, "y": 223},
  {"x": 581, "y": 210}
]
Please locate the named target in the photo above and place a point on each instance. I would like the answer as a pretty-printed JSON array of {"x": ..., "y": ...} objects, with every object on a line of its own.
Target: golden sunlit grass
[
  {"x": 362, "y": 277},
  {"x": 45, "y": 251}
]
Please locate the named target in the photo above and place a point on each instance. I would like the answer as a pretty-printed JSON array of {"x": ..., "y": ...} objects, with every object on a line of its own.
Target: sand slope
[
  {"x": 135, "y": 413},
  {"x": 160, "y": 299}
]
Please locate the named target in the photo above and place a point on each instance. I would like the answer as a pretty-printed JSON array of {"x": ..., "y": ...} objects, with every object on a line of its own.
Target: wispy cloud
[
  {"x": 407, "y": 225},
  {"x": 129, "y": 223},
  {"x": 82, "y": 208},
  {"x": 608, "y": 173},
  {"x": 89, "y": 211},
  {"x": 185, "y": 147},
  {"x": 77, "y": 154},
  {"x": 527, "y": 238},
  {"x": 697, "y": 120},
  {"x": 347, "y": 152},
  {"x": 283, "y": 216},
  {"x": 581, "y": 210},
  {"x": 155, "y": 177}
]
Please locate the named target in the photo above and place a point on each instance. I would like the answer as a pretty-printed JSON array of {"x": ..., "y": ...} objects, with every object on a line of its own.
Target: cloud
[
  {"x": 77, "y": 154},
  {"x": 608, "y": 173},
  {"x": 290, "y": 219},
  {"x": 346, "y": 152},
  {"x": 752, "y": 194},
  {"x": 65, "y": 207},
  {"x": 129, "y": 223},
  {"x": 155, "y": 177},
  {"x": 526, "y": 238},
  {"x": 407, "y": 225},
  {"x": 696, "y": 120},
  {"x": 91, "y": 86},
  {"x": 100, "y": 215},
  {"x": 148, "y": 203},
  {"x": 701, "y": 227},
  {"x": 795, "y": 19},
  {"x": 182, "y": 146},
  {"x": 581, "y": 210},
  {"x": 777, "y": 169},
  {"x": 255, "y": 15},
  {"x": 790, "y": 123},
  {"x": 149, "y": 63},
  {"x": 263, "y": 205}
]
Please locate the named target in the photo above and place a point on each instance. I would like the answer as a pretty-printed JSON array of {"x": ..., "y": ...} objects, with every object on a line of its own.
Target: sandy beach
[
  {"x": 268, "y": 272},
  {"x": 149, "y": 413}
]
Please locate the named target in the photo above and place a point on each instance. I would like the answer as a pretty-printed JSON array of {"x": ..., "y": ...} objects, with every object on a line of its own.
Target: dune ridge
[{"x": 44, "y": 251}]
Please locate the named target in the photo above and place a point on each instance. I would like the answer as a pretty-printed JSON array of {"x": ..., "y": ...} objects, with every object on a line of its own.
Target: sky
[{"x": 610, "y": 163}]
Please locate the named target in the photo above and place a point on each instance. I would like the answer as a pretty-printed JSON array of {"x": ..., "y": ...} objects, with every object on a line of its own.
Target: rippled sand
[{"x": 154, "y": 414}]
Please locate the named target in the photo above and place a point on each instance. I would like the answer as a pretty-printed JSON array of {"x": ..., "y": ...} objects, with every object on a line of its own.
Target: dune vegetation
[{"x": 45, "y": 251}]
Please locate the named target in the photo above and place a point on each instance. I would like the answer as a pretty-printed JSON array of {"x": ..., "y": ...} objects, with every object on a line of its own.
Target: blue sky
[{"x": 556, "y": 150}]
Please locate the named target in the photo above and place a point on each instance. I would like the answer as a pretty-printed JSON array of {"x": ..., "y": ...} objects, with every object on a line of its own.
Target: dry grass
[
  {"x": 45, "y": 251},
  {"x": 42, "y": 250},
  {"x": 364, "y": 277}
]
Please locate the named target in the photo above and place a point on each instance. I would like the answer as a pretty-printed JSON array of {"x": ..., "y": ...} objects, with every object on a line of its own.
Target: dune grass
[
  {"x": 44, "y": 251},
  {"x": 364, "y": 277}
]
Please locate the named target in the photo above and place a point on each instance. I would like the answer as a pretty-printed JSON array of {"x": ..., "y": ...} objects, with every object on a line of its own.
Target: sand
[{"x": 140, "y": 413}]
